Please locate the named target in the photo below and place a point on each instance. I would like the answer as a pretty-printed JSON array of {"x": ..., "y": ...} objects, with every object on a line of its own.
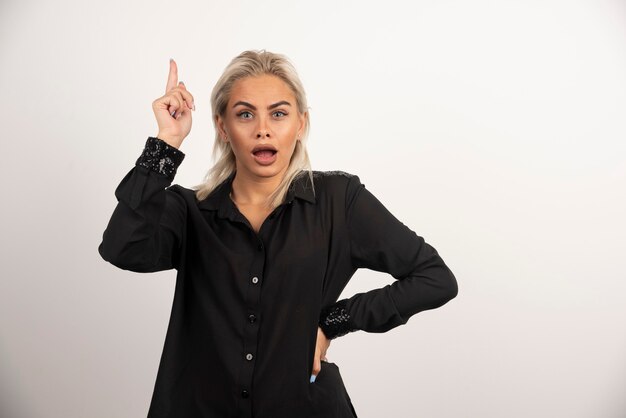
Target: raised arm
[
  {"x": 379, "y": 241},
  {"x": 147, "y": 227}
]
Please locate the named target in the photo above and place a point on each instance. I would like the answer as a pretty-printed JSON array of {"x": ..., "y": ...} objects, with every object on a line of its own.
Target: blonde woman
[{"x": 263, "y": 248}]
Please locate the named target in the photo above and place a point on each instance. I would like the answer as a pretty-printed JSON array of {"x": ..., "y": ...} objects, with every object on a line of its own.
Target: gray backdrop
[{"x": 495, "y": 130}]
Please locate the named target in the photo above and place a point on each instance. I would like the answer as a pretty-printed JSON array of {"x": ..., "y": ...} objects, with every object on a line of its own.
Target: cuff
[
  {"x": 335, "y": 320},
  {"x": 161, "y": 157}
]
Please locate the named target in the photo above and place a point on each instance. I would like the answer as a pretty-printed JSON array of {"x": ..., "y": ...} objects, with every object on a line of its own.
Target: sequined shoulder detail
[
  {"x": 161, "y": 157},
  {"x": 335, "y": 320},
  {"x": 317, "y": 173}
]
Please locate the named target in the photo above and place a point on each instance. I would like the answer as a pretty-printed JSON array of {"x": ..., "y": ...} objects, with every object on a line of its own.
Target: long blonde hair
[{"x": 247, "y": 64}]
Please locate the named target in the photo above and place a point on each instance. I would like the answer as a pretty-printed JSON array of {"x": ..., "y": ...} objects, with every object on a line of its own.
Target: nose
[{"x": 263, "y": 132}]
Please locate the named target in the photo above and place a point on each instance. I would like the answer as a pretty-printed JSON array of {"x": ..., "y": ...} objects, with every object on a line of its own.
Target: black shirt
[{"x": 243, "y": 327}]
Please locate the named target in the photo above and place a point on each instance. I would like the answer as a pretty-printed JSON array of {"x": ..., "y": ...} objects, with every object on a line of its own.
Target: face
[{"x": 262, "y": 112}]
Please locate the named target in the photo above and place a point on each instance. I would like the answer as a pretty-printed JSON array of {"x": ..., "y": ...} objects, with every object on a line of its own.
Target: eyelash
[{"x": 246, "y": 111}]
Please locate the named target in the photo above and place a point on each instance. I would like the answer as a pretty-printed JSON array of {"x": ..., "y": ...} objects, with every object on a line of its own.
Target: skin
[{"x": 244, "y": 126}]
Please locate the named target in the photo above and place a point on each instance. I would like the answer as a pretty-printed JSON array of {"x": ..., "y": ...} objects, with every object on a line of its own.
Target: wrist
[
  {"x": 335, "y": 320},
  {"x": 170, "y": 140},
  {"x": 160, "y": 157}
]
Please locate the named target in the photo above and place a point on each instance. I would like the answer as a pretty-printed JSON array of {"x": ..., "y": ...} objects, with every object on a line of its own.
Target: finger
[
  {"x": 172, "y": 78},
  {"x": 181, "y": 107},
  {"x": 317, "y": 366},
  {"x": 187, "y": 96},
  {"x": 174, "y": 102},
  {"x": 169, "y": 103}
]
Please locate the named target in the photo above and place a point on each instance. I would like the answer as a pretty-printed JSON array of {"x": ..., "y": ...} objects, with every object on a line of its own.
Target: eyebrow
[{"x": 272, "y": 106}]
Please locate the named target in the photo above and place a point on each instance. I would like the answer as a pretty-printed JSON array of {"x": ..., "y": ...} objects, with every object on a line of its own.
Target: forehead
[{"x": 260, "y": 89}]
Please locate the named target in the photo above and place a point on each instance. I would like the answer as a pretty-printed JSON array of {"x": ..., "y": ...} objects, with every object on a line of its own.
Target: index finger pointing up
[{"x": 172, "y": 79}]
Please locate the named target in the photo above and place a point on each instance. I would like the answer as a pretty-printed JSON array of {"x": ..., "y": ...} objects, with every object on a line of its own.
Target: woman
[{"x": 263, "y": 249}]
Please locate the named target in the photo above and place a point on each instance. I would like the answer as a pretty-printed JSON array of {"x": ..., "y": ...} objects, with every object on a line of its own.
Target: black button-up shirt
[{"x": 243, "y": 327}]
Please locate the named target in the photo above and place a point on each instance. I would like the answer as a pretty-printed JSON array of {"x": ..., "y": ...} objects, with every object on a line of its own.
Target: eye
[
  {"x": 281, "y": 112},
  {"x": 243, "y": 113}
]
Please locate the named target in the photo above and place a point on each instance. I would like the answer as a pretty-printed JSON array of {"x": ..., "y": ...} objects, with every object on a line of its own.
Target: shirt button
[
  {"x": 255, "y": 280},
  {"x": 252, "y": 318},
  {"x": 245, "y": 393},
  {"x": 260, "y": 247},
  {"x": 249, "y": 356}
]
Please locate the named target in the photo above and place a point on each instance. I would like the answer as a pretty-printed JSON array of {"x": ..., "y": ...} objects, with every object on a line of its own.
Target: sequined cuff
[
  {"x": 335, "y": 320},
  {"x": 161, "y": 157}
]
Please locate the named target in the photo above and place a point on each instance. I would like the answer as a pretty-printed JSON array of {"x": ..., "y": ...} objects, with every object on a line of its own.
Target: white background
[{"x": 494, "y": 129}]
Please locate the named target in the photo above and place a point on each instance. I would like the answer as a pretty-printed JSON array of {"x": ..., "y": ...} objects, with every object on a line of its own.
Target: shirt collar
[{"x": 219, "y": 198}]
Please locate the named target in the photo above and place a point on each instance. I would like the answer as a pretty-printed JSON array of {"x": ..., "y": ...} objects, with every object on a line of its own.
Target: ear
[
  {"x": 220, "y": 128},
  {"x": 304, "y": 117}
]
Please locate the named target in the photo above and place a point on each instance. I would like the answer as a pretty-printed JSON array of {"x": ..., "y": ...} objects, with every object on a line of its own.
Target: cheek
[
  {"x": 234, "y": 144},
  {"x": 290, "y": 148},
  {"x": 291, "y": 130},
  {"x": 240, "y": 129}
]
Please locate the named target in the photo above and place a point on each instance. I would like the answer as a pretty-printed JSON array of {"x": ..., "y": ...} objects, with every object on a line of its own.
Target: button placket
[{"x": 251, "y": 330}]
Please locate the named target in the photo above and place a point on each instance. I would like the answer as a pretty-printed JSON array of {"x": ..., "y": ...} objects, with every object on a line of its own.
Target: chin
[
  {"x": 267, "y": 171},
  {"x": 264, "y": 171}
]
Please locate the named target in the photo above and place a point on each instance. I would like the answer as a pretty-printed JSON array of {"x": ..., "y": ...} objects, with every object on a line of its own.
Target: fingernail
[
  {"x": 173, "y": 112},
  {"x": 171, "y": 59},
  {"x": 193, "y": 105},
  {"x": 313, "y": 377}
]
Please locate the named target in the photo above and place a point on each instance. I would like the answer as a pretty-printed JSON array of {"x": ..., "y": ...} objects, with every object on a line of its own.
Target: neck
[{"x": 249, "y": 189}]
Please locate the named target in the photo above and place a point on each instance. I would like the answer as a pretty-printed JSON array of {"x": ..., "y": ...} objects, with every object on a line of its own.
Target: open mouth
[
  {"x": 264, "y": 154},
  {"x": 264, "y": 151}
]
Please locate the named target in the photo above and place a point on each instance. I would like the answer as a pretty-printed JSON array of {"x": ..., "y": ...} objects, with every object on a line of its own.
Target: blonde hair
[{"x": 249, "y": 64}]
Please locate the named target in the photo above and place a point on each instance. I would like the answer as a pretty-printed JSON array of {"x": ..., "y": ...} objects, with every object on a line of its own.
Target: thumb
[{"x": 316, "y": 365}]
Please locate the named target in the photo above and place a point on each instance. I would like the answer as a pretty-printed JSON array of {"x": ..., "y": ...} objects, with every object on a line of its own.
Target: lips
[
  {"x": 264, "y": 149},
  {"x": 264, "y": 154}
]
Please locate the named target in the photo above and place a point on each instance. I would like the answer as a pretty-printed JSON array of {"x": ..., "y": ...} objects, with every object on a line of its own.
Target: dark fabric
[
  {"x": 242, "y": 333},
  {"x": 335, "y": 320},
  {"x": 159, "y": 156}
]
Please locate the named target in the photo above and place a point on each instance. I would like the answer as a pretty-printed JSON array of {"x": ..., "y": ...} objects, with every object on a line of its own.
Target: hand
[
  {"x": 173, "y": 110},
  {"x": 321, "y": 346}
]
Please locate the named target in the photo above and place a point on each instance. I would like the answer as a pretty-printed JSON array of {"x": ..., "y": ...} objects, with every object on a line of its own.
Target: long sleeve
[
  {"x": 147, "y": 227},
  {"x": 379, "y": 241}
]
